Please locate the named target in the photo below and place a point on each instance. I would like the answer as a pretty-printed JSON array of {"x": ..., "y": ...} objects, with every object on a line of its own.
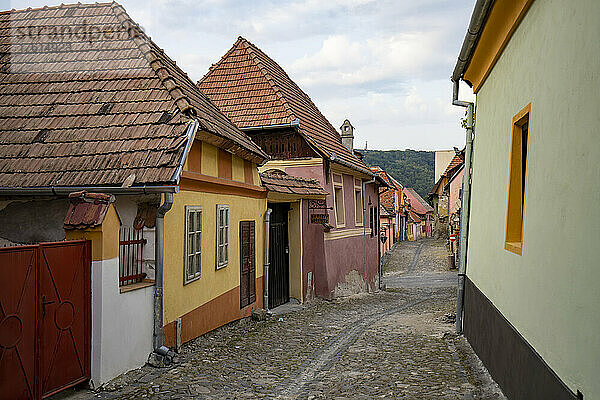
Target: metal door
[
  {"x": 44, "y": 318},
  {"x": 279, "y": 290},
  {"x": 247, "y": 264}
]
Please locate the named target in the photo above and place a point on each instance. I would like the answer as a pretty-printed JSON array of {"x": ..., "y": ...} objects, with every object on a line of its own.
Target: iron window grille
[
  {"x": 193, "y": 244},
  {"x": 222, "y": 257},
  {"x": 131, "y": 247}
]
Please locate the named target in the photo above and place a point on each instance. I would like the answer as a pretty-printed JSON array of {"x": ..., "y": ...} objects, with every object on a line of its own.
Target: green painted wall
[{"x": 551, "y": 293}]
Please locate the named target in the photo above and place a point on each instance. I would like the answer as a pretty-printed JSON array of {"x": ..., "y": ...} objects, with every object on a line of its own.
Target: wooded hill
[{"x": 410, "y": 167}]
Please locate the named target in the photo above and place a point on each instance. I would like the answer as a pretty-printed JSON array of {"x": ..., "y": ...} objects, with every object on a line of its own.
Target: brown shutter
[
  {"x": 244, "y": 255},
  {"x": 252, "y": 264}
]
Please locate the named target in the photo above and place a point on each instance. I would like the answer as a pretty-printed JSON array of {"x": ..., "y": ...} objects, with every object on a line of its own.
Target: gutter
[
  {"x": 266, "y": 264},
  {"x": 294, "y": 124},
  {"x": 478, "y": 18},
  {"x": 65, "y": 190},
  {"x": 191, "y": 133},
  {"x": 162, "y": 355}
]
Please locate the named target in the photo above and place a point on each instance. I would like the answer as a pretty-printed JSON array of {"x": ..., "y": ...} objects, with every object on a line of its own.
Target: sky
[{"x": 384, "y": 65}]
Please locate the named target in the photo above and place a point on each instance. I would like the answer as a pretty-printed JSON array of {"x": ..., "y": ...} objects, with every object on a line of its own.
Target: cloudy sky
[{"x": 385, "y": 65}]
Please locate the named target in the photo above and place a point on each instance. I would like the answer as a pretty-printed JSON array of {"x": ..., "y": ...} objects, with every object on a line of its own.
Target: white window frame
[
  {"x": 359, "y": 217},
  {"x": 192, "y": 273},
  {"x": 337, "y": 185},
  {"x": 222, "y": 249}
]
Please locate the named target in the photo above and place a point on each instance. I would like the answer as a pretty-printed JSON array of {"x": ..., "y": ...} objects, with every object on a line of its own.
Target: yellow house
[{"x": 216, "y": 217}]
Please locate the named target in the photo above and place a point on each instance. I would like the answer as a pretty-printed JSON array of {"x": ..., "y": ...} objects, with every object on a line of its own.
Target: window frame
[
  {"x": 338, "y": 185},
  {"x": 187, "y": 277},
  {"x": 219, "y": 264},
  {"x": 517, "y": 178},
  {"x": 359, "y": 189}
]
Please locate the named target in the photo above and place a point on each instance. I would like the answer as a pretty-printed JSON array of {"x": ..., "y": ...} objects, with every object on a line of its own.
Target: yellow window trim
[
  {"x": 513, "y": 239},
  {"x": 335, "y": 208}
]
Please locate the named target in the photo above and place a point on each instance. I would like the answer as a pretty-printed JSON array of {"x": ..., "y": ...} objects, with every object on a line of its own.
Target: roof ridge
[
  {"x": 250, "y": 47},
  {"x": 161, "y": 71},
  {"x": 62, "y": 5},
  {"x": 253, "y": 47}
]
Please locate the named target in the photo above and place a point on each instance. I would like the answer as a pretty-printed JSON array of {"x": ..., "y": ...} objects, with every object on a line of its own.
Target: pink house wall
[{"x": 454, "y": 198}]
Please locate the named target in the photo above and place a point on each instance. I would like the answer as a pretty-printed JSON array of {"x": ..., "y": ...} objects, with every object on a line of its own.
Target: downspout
[
  {"x": 364, "y": 190},
  {"x": 266, "y": 265},
  {"x": 379, "y": 270},
  {"x": 158, "y": 288},
  {"x": 466, "y": 198}
]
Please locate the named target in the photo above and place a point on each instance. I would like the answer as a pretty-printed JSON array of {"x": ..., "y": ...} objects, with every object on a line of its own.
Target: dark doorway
[
  {"x": 279, "y": 271},
  {"x": 247, "y": 264}
]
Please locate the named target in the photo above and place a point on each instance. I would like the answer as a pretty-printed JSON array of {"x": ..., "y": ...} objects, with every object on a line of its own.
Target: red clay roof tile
[
  {"x": 97, "y": 109},
  {"x": 253, "y": 90}
]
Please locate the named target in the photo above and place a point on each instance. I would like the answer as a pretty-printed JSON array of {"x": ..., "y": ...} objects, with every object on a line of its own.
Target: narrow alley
[{"x": 398, "y": 344}]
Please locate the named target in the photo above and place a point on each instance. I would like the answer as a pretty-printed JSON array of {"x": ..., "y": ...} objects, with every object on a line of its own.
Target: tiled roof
[
  {"x": 88, "y": 99},
  {"x": 281, "y": 182},
  {"x": 87, "y": 210},
  {"x": 417, "y": 203},
  {"x": 254, "y": 91},
  {"x": 414, "y": 217},
  {"x": 386, "y": 211},
  {"x": 455, "y": 162}
]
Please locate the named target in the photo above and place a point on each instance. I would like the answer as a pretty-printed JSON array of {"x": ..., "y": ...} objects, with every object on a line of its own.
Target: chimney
[{"x": 347, "y": 135}]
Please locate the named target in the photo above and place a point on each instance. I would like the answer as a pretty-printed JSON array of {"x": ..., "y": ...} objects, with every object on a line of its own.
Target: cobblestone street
[{"x": 397, "y": 344}]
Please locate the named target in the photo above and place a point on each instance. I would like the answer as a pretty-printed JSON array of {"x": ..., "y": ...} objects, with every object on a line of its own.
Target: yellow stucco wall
[
  {"x": 105, "y": 238},
  {"x": 549, "y": 293},
  {"x": 179, "y": 298},
  {"x": 295, "y": 245}
]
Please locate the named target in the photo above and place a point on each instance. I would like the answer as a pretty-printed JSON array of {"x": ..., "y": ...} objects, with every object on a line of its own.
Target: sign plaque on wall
[{"x": 319, "y": 218}]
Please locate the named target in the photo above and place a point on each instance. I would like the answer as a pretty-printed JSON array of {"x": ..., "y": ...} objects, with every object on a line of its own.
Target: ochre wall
[
  {"x": 549, "y": 293},
  {"x": 213, "y": 299}
]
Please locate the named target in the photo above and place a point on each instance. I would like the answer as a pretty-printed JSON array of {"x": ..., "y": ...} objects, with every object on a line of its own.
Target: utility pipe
[
  {"x": 266, "y": 264},
  {"x": 466, "y": 198},
  {"x": 65, "y": 190},
  {"x": 159, "y": 235},
  {"x": 364, "y": 193}
]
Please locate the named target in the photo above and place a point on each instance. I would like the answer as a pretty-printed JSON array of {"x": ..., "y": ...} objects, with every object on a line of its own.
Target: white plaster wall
[
  {"x": 122, "y": 324},
  {"x": 549, "y": 294}
]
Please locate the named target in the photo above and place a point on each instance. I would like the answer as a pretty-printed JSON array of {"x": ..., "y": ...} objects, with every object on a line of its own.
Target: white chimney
[{"x": 347, "y": 135}]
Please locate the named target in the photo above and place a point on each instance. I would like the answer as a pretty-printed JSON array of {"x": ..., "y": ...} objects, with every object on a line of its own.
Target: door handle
[{"x": 44, "y": 303}]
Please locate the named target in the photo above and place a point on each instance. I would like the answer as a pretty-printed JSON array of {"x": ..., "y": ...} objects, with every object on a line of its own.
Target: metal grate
[{"x": 131, "y": 245}]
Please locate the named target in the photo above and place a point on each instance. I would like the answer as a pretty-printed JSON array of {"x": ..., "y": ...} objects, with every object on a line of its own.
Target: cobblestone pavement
[{"x": 395, "y": 344}]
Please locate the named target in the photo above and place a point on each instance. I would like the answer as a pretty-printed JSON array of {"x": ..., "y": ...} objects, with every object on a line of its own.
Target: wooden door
[
  {"x": 64, "y": 315},
  {"x": 18, "y": 268},
  {"x": 247, "y": 263}
]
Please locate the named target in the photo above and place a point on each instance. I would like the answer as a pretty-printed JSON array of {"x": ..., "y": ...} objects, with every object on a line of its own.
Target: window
[
  {"x": 338, "y": 194},
  {"x": 358, "y": 202},
  {"x": 131, "y": 251},
  {"x": 222, "y": 236},
  {"x": 193, "y": 243},
  {"x": 516, "y": 184}
]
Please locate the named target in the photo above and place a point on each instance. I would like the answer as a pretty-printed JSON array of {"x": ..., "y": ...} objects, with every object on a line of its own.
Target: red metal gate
[{"x": 45, "y": 318}]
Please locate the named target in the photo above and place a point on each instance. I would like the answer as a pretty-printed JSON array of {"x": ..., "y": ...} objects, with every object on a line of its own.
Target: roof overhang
[{"x": 493, "y": 23}]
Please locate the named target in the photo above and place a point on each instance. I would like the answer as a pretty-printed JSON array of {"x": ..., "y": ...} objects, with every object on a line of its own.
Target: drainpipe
[
  {"x": 466, "y": 198},
  {"x": 266, "y": 265},
  {"x": 364, "y": 190},
  {"x": 158, "y": 288}
]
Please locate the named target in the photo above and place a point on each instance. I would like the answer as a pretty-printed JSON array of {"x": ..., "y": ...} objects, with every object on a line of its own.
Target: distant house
[
  {"x": 262, "y": 100},
  {"x": 423, "y": 210},
  {"x": 110, "y": 142},
  {"x": 386, "y": 228},
  {"x": 531, "y": 295},
  {"x": 392, "y": 199},
  {"x": 454, "y": 190},
  {"x": 439, "y": 195}
]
